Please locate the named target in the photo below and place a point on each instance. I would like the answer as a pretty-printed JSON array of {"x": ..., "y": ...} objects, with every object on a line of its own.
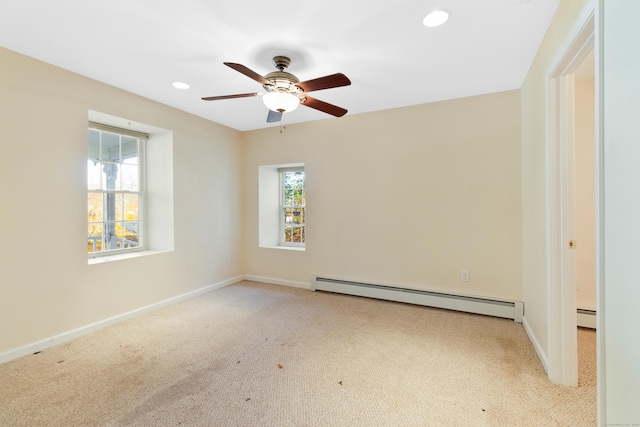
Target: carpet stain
[
  {"x": 511, "y": 357},
  {"x": 183, "y": 392}
]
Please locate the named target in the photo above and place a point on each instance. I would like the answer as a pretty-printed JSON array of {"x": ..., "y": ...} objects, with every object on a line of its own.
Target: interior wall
[
  {"x": 534, "y": 174},
  {"x": 406, "y": 197},
  {"x": 619, "y": 106},
  {"x": 585, "y": 173},
  {"x": 47, "y": 287}
]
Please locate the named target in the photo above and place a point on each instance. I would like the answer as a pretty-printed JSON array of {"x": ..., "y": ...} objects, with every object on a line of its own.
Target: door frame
[{"x": 561, "y": 277}]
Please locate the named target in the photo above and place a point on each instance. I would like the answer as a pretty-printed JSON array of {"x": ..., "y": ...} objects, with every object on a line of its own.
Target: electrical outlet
[{"x": 464, "y": 276}]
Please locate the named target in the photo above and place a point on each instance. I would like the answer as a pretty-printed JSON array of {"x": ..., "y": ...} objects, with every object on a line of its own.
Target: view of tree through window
[
  {"x": 114, "y": 201},
  {"x": 293, "y": 207}
]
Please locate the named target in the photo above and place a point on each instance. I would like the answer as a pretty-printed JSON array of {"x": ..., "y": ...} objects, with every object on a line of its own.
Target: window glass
[
  {"x": 115, "y": 193},
  {"x": 293, "y": 207}
]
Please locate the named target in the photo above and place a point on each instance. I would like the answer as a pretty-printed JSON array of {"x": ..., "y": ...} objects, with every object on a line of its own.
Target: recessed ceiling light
[
  {"x": 436, "y": 18},
  {"x": 180, "y": 85}
]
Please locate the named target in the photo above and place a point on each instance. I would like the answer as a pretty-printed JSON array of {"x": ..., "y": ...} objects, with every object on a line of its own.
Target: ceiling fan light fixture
[
  {"x": 281, "y": 102},
  {"x": 436, "y": 18}
]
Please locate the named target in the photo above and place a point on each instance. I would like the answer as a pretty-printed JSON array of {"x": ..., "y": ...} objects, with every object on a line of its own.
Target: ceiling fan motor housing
[{"x": 282, "y": 82}]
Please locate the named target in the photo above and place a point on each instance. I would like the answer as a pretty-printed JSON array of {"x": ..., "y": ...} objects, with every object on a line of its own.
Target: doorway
[
  {"x": 585, "y": 217},
  {"x": 585, "y": 191},
  {"x": 566, "y": 207}
]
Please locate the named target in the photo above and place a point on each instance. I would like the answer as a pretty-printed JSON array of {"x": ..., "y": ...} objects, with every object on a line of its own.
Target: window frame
[
  {"x": 141, "y": 192},
  {"x": 283, "y": 207}
]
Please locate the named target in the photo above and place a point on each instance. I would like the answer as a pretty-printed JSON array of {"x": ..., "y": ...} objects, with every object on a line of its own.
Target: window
[
  {"x": 292, "y": 206},
  {"x": 115, "y": 183},
  {"x": 281, "y": 206}
]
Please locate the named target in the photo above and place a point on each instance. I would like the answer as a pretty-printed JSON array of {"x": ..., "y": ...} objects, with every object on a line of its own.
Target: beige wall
[
  {"x": 585, "y": 163},
  {"x": 407, "y": 197},
  {"x": 534, "y": 179},
  {"x": 46, "y": 286}
]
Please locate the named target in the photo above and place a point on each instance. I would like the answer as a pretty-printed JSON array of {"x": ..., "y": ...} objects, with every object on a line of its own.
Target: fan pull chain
[{"x": 283, "y": 125}]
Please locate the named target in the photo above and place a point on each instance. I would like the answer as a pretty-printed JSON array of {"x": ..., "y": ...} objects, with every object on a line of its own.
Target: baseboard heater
[
  {"x": 490, "y": 307},
  {"x": 587, "y": 318}
]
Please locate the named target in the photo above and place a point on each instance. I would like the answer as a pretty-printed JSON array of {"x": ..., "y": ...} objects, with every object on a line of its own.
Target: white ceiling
[{"x": 142, "y": 46}]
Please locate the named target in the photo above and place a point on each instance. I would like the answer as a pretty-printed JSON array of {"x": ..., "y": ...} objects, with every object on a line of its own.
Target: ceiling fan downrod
[{"x": 281, "y": 62}]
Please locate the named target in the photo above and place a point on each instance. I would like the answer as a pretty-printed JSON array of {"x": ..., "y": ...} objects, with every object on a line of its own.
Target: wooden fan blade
[
  {"x": 240, "y": 95},
  {"x": 249, "y": 73},
  {"x": 274, "y": 116},
  {"x": 326, "y": 82},
  {"x": 325, "y": 107}
]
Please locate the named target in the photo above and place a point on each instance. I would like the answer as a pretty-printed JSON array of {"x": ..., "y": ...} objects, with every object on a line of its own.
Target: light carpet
[{"x": 261, "y": 355}]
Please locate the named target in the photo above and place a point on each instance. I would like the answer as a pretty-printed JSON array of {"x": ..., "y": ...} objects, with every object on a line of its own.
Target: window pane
[
  {"x": 119, "y": 228},
  {"x": 297, "y": 216},
  {"x": 110, "y": 147},
  {"x": 131, "y": 234},
  {"x": 288, "y": 215},
  {"x": 110, "y": 176},
  {"x": 109, "y": 209},
  {"x": 288, "y": 196},
  {"x": 95, "y": 238},
  {"x": 131, "y": 207},
  {"x": 94, "y": 175},
  {"x": 129, "y": 150},
  {"x": 94, "y": 145},
  {"x": 129, "y": 177},
  {"x": 109, "y": 230},
  {"x": 94, "y": 207},
  {"x": 297, "y": 234},
  {"x": 119, "y": 208},
  {"x": 111, "y": 236},
  {"x": 288, "y": 233}
]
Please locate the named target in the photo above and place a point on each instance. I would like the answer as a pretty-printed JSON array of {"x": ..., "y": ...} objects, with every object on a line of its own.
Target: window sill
[
  {"x": 119, "y": 257},
  {"x": 286, "y": 248}
]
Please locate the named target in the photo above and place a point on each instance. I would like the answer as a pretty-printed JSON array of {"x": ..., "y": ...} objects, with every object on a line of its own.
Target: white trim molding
[
  {"x": 93, "y": 327},
  {"x": 536, "y": 345},
  {"x": 281, "y": 282}
]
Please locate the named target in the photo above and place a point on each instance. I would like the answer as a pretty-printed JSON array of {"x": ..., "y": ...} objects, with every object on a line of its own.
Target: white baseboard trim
[
  {"x": 272, "y": 281},
  {"x": 93, "y": 327},
  {"x": 536, "y": 345}
]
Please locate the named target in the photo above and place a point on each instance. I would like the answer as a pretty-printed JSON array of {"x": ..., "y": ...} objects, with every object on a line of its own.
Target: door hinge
[{"x": 572, "y": 244}]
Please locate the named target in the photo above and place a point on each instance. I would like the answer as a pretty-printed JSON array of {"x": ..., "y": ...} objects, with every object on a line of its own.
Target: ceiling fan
[{"x": 284, "y": 91}]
